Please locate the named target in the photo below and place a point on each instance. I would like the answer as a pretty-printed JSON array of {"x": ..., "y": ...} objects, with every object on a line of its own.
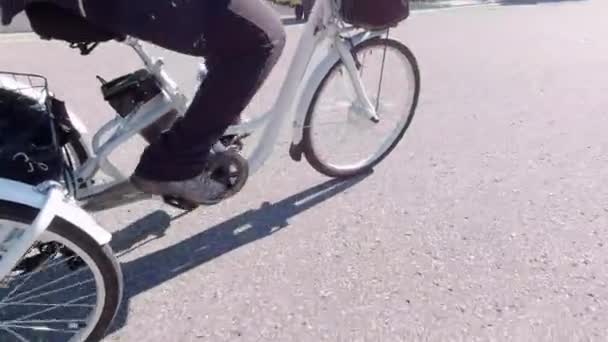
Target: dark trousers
[{"x": 241, "y": 41}]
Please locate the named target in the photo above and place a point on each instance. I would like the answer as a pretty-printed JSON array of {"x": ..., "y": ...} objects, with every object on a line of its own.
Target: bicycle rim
[
  {"x": 341, "y": 138},
  {"x": 30, "y": 308}
]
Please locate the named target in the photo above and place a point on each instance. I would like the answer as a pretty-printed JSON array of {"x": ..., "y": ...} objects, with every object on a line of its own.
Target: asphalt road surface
[{"x": 487, "y": 223}]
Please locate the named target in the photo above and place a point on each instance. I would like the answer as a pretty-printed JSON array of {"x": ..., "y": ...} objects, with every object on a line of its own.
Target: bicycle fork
[{"x": 365, "y": 105}]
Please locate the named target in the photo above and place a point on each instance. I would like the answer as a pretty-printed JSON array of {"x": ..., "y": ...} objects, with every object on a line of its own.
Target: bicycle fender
[
  {"x": 315, "y": 79},
  {"x": 21, "y": 193}
]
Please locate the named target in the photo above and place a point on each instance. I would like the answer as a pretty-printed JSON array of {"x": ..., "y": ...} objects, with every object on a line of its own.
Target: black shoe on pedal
[{"x": 224, "y": 176}]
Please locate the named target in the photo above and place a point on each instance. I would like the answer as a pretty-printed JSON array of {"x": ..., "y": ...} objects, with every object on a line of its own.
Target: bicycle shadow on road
[{"x": 156, "y": 268}]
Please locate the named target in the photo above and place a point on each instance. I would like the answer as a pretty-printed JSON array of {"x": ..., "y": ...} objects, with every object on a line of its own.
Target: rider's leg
[{"x": 241, "y": 40}]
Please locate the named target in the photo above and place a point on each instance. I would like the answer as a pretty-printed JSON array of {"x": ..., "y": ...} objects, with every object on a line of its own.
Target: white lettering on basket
[{"x": 31, "y": 164}]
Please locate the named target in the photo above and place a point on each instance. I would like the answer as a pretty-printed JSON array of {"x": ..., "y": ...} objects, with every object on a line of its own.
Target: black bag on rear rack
[
  {"x": 374, "y": 14},
  {"x": 30, "y": 136}
]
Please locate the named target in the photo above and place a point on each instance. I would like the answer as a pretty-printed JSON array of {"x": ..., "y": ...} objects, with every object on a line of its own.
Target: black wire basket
[{"x": 29, "y": 149}]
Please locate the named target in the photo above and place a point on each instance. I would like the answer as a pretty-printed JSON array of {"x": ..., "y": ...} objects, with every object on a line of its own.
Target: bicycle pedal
[
  {"x": 232, "y": 169},
  {"x": 180, "y": 203},
  {"x": 234, "y": 142}
]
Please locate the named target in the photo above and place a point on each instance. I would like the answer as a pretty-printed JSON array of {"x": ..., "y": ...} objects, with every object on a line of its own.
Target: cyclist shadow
[{"x": 156, "y": 268}]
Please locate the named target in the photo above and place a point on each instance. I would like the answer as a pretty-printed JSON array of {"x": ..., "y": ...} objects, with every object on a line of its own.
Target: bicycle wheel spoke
[
  {"x": 52, "y": 304},
  {"x": 63, "y": 288},
  {"x": 41, "y": 321},
  {"x": 68, "y": 304},
  {"x": 15, "y": 334},
  {"x": 381, "y": 78},
  {"x": 47, "y": 284},
  {"x": 42, "y": 328},
  {"x": 19, "y": 286},
  {"x": 55, "y": 291},
  {"x": 31, "y": 274}
]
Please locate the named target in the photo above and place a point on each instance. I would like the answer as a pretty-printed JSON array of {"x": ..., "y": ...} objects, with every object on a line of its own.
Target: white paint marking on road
[
  {"x": 443, "y": 9},
  {"x": 9, "y": 38}
]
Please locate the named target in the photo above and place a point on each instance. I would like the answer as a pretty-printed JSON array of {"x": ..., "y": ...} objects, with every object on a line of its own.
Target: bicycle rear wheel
[
  {"x": 339, "y": 141},
  {"x": 66, "y": 288}
]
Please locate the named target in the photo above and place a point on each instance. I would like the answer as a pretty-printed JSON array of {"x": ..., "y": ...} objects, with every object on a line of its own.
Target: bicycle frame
[
  {"x": 54, "y": 201},
  {"x": 322, "y": 26}
]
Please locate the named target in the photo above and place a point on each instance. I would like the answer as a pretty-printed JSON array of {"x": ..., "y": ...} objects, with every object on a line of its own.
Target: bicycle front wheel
[
  {"x": 66, "y": 288},
  {"x": 341, "y": 142}
]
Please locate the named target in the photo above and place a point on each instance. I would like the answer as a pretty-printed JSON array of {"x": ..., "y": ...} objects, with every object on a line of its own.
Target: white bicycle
[{"x": 60, "y": 278}]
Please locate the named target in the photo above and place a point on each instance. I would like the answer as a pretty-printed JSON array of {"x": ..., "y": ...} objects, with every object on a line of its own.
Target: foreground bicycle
[{"x": 60, "y": 279}]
